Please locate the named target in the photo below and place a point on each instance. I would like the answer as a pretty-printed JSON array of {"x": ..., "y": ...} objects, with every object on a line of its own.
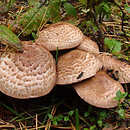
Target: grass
[{"x": 63, "y": 108}]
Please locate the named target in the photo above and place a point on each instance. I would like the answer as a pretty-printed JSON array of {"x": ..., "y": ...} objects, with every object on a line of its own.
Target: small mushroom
[
  {"x": 88, "y": 45},
  {"x": 29, "y": 74},
  {"x": 61, "y": 35},
  {"x": 99, "y": 91},
  {"x": 120, "y": 69},
  {"x": 75, "y": 66}
]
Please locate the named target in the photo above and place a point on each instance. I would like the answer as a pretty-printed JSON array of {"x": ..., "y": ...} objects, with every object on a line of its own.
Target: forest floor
[{"x": 62, "y": 108}]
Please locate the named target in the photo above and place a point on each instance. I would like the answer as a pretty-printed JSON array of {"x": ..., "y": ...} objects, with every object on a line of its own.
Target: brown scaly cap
[
  {"x": 76, "y": 66},
  {"x": 88, "y": 45},
  {"x": 61, "y": 35},
  {"x": 99, "y": 91},
  {"x": 29, "y": 74},
  {"x": 120, "y": 69}
]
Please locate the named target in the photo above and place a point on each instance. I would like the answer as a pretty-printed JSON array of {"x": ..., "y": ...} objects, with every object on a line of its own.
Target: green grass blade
[{"x": 77, "y": 118}]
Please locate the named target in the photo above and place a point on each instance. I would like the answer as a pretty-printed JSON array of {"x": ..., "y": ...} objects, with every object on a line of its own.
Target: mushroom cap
[
  {"x": 61, "y": 35},
  {"x": 99, "y": 91},
  {"x": 121, "y": 70},
  {"x": 29, "y": 74},
  {"x": 89, "y": 45},
  {"x": 75, "y": 66}
]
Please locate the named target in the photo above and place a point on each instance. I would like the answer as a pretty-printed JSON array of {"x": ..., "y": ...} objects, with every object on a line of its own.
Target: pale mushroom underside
[{"x": 99, "y": 91}]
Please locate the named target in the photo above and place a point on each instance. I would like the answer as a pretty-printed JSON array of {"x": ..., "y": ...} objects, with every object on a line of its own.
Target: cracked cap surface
[
  {"x": 61, "y": 35},
  {"x": 29, "y": 74},
  {"x": 88, "y": 45},
  {"x": 121, "y": 70},
  {"x": 76, "y": 66}
]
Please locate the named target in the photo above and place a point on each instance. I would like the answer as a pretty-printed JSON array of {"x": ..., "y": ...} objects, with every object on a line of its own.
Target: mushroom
[
  {"x": 61, "y": 35},
  {"x": 75, "y": 66},
  {"x": 89, "y": 45},
  {"x": 32, "y": 73},
  {"x": 99, "y": 90},
  {"x": 121, "y": 70},
  {"x": 29, "y": 74}
]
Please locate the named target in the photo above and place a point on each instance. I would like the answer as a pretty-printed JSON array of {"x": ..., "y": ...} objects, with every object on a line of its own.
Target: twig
[
  {"x": 36, "y": 122},
  {"x": 122, "y": 20}
]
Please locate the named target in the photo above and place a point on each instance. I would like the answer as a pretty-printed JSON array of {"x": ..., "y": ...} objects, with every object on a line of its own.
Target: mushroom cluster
[{"x": 34, "y": 72}]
